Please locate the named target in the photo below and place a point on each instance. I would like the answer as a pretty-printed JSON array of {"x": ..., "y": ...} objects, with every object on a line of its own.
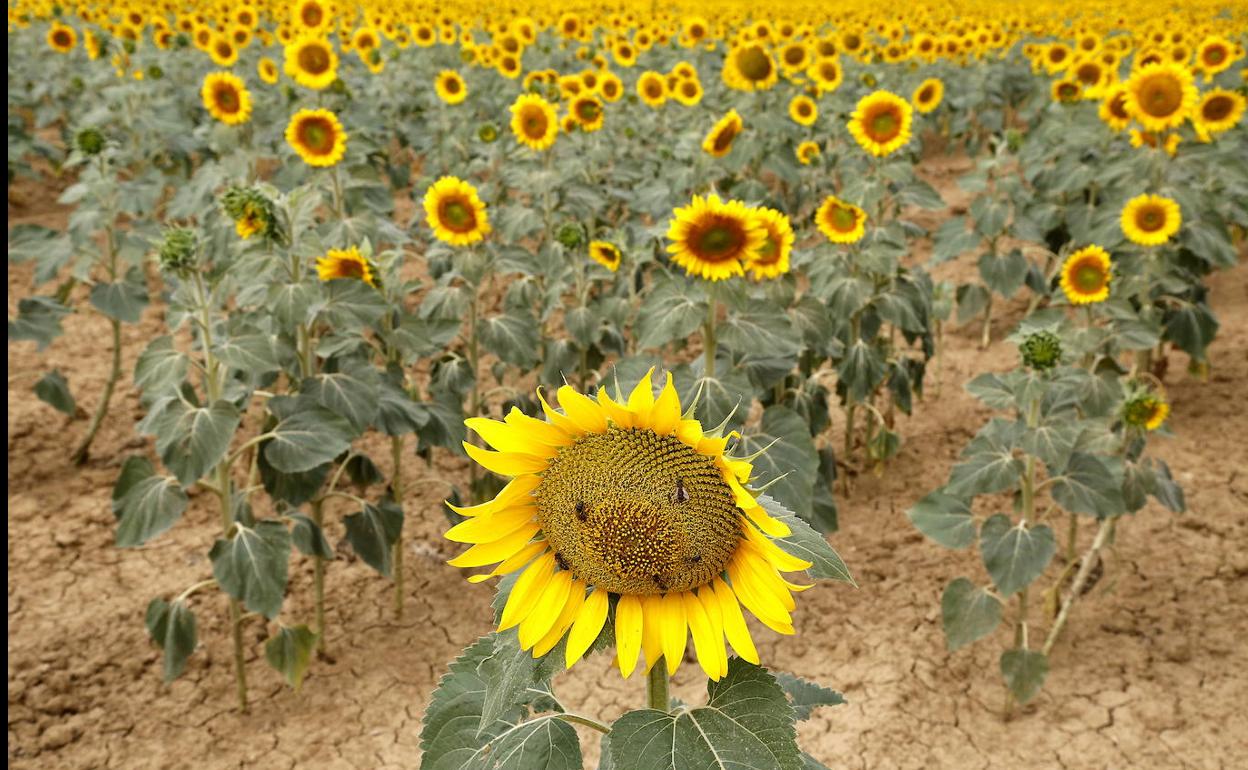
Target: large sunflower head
[
  {"x": 345, "y": 263},
  {"x": 62, "y": 38},
  {"x": 749, "y": 67},
  {"x": 1218, "y": 110},
  {"x": 455, "y": 212},
  {"x": 719, "y": 139},
  {"x": 626, "y": 505},
  {"x": 312, "y": 62},
  {"x": 226, "y": 98},
  {"x": 713, "y": 239},
  {"x": 606, "y": 254},
  {"x": 687, "y": 91},
  {"x": 317, "y": 136},
  {"x": 826, "y": 74},
  {"x": 534, "y": 121},
  {"x": 928, "y": 95},
  {"x": 803, "y": 110},
  {"x": 771, "y": 258},
  {"x": 450, "y": 87},
  {"x": 1086, "y": 276},
  {"x": 587, "y": 111},
  {"x": 841, "y": 222},
  {"x": 881, "y": 122},
  {"x": 1161, "y": 96},
  {"x": 1150, "y": 220},
  {"x": 652, "y": 88}
]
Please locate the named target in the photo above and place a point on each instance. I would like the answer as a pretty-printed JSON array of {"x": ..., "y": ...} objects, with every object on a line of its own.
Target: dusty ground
[{"x": 1149, "y": 675}]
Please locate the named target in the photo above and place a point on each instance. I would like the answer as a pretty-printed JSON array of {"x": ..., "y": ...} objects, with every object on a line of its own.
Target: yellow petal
[
  {"x": 506, "y": 438},
  {"x": 525, "y": 592},
  {"x": 587, "y": 626},
  {"x": 651, "y": 636},
  {"x": 672, "y": 630},
  {"x": 715, "y": 617},
  {"x": 538, "y": 430},
  {"x": 558, "y": 420},
  {"x": 712, "y": 446},
  {"x": 576, "y": 598},
  {"x": 628, "y": 630},
  {"x": 616, "y": 413},
  {"x": 582, "y": 411},
  {"x": 513, "y": 563},
  {"x": 545, "y": 610},
  {"x": 700, "y": 629},
  {"x": 764, "y": 521},
  {"x": 666, "y": 413},
  {"x": 763, "y": 576},
  {"x": 641, "y": 400},
  {"x": 487, "y": 529},
  {"x": 734, "y": 622},
  {"x": 774, "y": 554},
  {"x": 765, "y": 608},
  {"x": 505, "y": 463},
  {"x": 491, "y": 553},
  {"x": 518, "y": 489},
  {"x": 690, "y": 432}
]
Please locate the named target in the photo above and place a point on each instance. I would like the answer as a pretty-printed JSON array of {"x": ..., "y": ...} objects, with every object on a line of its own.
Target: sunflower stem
[
  {"x": 712, "y": 316},
  {"x": 318, "y": 578},
  {"x": 80, "y": 453},
  {"x": 1072, "y": 538},
  {"x": 656, "y": 687},
  {"x": 396, "y": 491},
  {"x": 1085, "y": 569}
]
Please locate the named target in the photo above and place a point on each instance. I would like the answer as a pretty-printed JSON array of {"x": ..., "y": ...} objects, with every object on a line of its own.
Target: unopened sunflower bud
[
  {"x": 570, "y": 235},
  {"x": 89, "y": 141},
  {"x": 1041, "y": 351},
  {"x": 487, "y": 132},
  {"x": 179, "y": 250},
  {"x": 1145, "y": 410}
]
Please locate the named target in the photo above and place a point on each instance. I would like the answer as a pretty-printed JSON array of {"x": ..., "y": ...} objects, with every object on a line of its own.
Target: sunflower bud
[
  {"x": 1145, "y": 411},
  {"x": 128, "y": 46},
  {"x": 1041, "y": 351},
  {"x": 868, "y": 80},
  {"x": 89, "y": 141},
  {"x": 487, "y": 132},
  {"x": 252, "y": 211},
  {"x": 181, "y": 40},
  {"x": 1013, "y": 139},
  {"x": 155, "y": 72},
  {"x": 179, "y": 249},
  {"x": 570, "y": 235}
]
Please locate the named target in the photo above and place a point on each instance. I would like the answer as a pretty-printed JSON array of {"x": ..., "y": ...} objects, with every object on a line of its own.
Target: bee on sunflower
[
  {"x": 534, "y": 121},
  {"x": 347, "y": 264},
  {"x": 713, "y": 239},
  {"x": 720, "y": 138},
  {"x": 455, "y": 212},
  {"x": 318, "y": 137},
  {"x": 841, "y": 222},
  {"x": 881, "y": 122},
  {"x": 226, "y": 98},
  {"x": 1086, "y": 276},
  {"x": 1150, "y": 220}
]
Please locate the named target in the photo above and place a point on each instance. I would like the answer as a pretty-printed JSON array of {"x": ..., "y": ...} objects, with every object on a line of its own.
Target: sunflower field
[{"x": 809, "y": 386}]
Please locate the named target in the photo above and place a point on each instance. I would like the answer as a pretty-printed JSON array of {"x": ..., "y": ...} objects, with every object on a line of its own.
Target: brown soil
[{"x": 1149, "y": 674}]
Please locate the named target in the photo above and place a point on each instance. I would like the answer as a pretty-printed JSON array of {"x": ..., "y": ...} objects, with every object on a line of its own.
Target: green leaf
[
  {"x": 512, "y": 337},
  {"x": 759, "y": 329},
  {"x": 952, "y": 240},
  {"x": 290, "y": 652},
  {"x": 123, "y": 301},
  {"x": 1088, "y": 485},
  {"x": 38, "y": 319},
  {"x": 134, "y": 469},
  {"x": 993, "y": 390},
  {"x": 373, "y": 532},
  {"x": 1004, "y": 274},
  {"x": 582, "y": 325},
  {"x": 508, "y": 673},
  {"x": 546, "y": 742},
  {"x": 397, "y": 413},
  {"x": 1051, "y": 442},
  {"x": 806, "y": 696},
  {"x": 1024, "y": 672},
  {"x": 984, "y": 473},
  {"x": 1015, "y": 555},
  {"x": 191, "y": 440},
  {"x": 251, "y": 566},
  {"x": 53, "y": 390},
  {"x": 671, "y": 310},
  {"x": 791, "y": 458},
  {"x": 728, "y": 393},
  {"x": 289, "y": 303},
  {"x": 172, "y": 627},
  {"x": 805, "y": 543},
  {"x": 352, "y": 395},
  {"x": 307, "y": 438},
  {"x": 861, "y": 371},
  {"x": 1191, "y": 327},
  {"x": 1167, "y": 491},
  {"x": 149, "y": 505},
  {"x": 972, "y": 299},
  {"x": 309, "y": 538},
  {"x": 967, "y": 613},
  {"x": 161, "y": 368},
  {"x": 252, "y": 354},
  {"x": 945, "y": 519}
]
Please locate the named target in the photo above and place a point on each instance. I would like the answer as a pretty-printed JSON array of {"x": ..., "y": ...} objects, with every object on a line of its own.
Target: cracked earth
[{"x": 1150, "y": 673}]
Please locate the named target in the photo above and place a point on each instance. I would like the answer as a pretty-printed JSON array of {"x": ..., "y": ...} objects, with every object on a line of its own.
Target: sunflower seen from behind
[
  {"x": 1150, "y": 220},
  {"x": 534, "y": 121},
  {"x": 318, "y": 137},
  {"x": 723, "y": 134},
  {"x": 345, "y": 264},
  {"x": 713, "y": 239},
  {"x": 226, "y": 98},
  {"x": 627, "y": 503},
  {"x": 1086, "y": 276},
  {"x": 606, "y": 254},
  {"x": 455, "y": 212},
  {"x": 881, "y": 122}
]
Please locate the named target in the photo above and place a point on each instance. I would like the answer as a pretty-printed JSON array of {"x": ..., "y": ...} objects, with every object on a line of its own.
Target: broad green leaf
[
  {"x": 373, "y": 532},
  {"x": 123, "y": 301},
  {"x": 1024, "y": 672},
  {"x": 309, "y": 538},
  {"x": 191, "y": 440},
  {"x": 1004, "y": 274},
  {"x": 861, "y": 371},
  {"x": 727, "y": 394},
  {"x": 791, "y": 457},
  {"x": 967, "y": 613},
  {"x": 1088, "y": 485},
  {"x": 1191, "y": 327},
  {"x": 952, "y": 240},
  {"x": 290, "y": 652},
  {"x": 806, "y": 696},
  {"x": 397, "y": 413},
  {"x": 671, "y": 310},
  {"x": 161, "y": 368},
  {"x": 53, "y": 390},
  {"x": 134, "y": 469},
  {"x": 582, "y": 325},
  {"x": 38, "y": 319},
  {"x": 352, "y": 395},
  {"x": 289, "y": 303},
  {"x": 545, "y": 742},
  {"x": 512, "y": 337},
  {"x": 1015, "y": 555},
  {"x": 1167, "y": 490},
  {"x": 984, "y": 473},
  {"x": 148, "y": 507},
  {"x": 172, "y": 627},
  {"x": 972, "y": 299},
  {"x": 307, "y": 438},
  {"x": 805, "y": 543},
  {"x": 1052, "y": 442},
  {"x": 251, "y": 565},
  {"x": 252, "y": 354},
  {"x": 945, "y": 519},
  {"x": 508, "y": 673},
  {"x": 759, "y": 328}
]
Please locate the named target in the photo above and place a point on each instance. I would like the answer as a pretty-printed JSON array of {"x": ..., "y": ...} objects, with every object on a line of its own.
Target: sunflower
[
  {"x": 841, "y": 222},
  {"x": 1218, "y": 110},
  {"x": 61, "y": 38},
  {"x": 266, "y": 68},
  {"x": 605, "y": 254},
  {"x": 587, "y": 111},
  {"x": 1161, "y": 96},
  {"x": 222, "y": 51},
  {"x": 928, "y": 95},
  {"x": 807, "y": 152},
  {"x": 317, "y": 136},
  {"x": 827, "y": 74},
  {"x": 1066, "y": 90},
  {"x": 534, "y": 121},
  {"x": 1150, "y": 220},
  {"x": 802, "y": 110},
  {"x": 712, "y": 239},
  {"x": 626, "y": 503},
  {"x": 450, "y": 87},
  {"x": 348, "y": 263},
  {"x": 652, "y": 88},
  {"x": 750, "y": 67},
  {"x": 688, "y": 92},
  {"x": 311, "y": 16},
  {"x": 455, "y": 212},
  {"x": 226, "y": 98},
  {"x": 881, "y": 122},
  {"x": 771, "y": 259},
  {"x": 720, "y": 138},
  {"x": 1113, "y": 109},
  {"x": 795, "y": 56},
  {"x": 610, "y": 87},
  {"x": 1086, "y": 276},
  {"x": 1145, "y": 410},
  {"x": 1214, "y": 55},
  {"x": 312, "y": 62}
]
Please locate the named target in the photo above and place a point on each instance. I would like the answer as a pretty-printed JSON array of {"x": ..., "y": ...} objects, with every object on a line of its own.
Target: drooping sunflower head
[
  {"x": 881, "y": 122},
  {"x": 652, "y": 88},
  {"x": 841, "y": 222},
  {"x": 266, "y": 68},
  {"x": 1150, "y": 220},
  {"x": 62, "y": 38},
  {"x": 719, "y": 139},
  {"x": 1113, "y": 109},
  {"x": 803, "y": 110},
  {"x": 226, "y": 98},
  {"x": 1218, "y": 110},
  {"x": 347, "y": 264},
  {"x": 455, "y": 212},
  {"x": 749, "y": 67},
  {"x": 253, "y": 212},
  {"x": 587, "y": 111},
  {"x": 450, "y": 87},
  {"x": 1145, "y": 411},
  {"x": 807, "y": 152},
  {"x": 713, "y": 239},
  {"x": 1086, "y": 276},
  {"x": 312, "y": 62},
  {"x": 606, "y": 254},
  {"x": 534, "y": 121},
  {"x": 928, "y": 95},
  {"x": 771, "y": 258},
  {"x": 318, "y": 137},
  {"x": 1161, "y": 96},
  {"x": 626, "y": 504}
]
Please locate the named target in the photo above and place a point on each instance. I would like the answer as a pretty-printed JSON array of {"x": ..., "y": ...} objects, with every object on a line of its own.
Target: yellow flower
[
  {"x": 881, "y": 122},
  {"x": 1150, "y": 220},
  {"x": 222, "y": 51},
  {"x": 226, "y": 98},
  {"x": 827, "y": 74},
  {"x": 719, "y": 139},
  {"x": 610, "y": 87},
  {"x": 605, "y": 254},
  {"x": 652, "y": 89},
  {"x": 624, "y": 501},
  {"x": 803, "y": 111},
  {"x": 1086, "y": 276},
  {"x": 750, "y": 67},
  {"x": 807, "y": 152},
  {"x": 587, "y": 111},
  {"x": 266, "y": 68},
  {"x": 841, "y": 222},
  {"x": 450, "y": 87},
  {"x": 1161, "y": 96},
  {"x": 61, "y": 38},
  {"x": 928, "y": 95},
  {"x": 688, "y": 91},
  {"x": 1214, "y": 55},
  {"x": 713, "y": 239},
  {"x": 1113, "y": 109},
  {"x": 1066, "y": 90},
  {"x": 311, "y": 16},
  {"x": 771, "y": 258},
  {"x": 455, "y": 212},
  {"x": 348, "y": 263},
  {"x": 317, "y": 136},
  {"x": 534, "y": 121},
  {"x": 312, "y": 62},
  {"x": 1218, "y": 110},
  {"x": 1145, "y": 410}
]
